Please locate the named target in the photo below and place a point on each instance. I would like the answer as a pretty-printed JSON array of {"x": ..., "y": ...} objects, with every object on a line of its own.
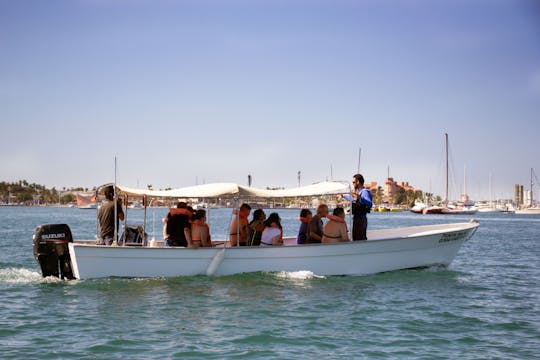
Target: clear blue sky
[{"x": 214, "y": 90}]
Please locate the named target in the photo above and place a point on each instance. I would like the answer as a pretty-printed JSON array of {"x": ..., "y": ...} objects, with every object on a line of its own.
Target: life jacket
[
  {"x": 177, "y": 221},
  {"x": 359, "y": 208}
]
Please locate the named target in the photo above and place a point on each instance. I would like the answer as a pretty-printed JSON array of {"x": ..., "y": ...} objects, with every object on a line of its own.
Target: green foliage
[
  {"x": 23, "y": 192},
  {"x": 378, "y": 195}
]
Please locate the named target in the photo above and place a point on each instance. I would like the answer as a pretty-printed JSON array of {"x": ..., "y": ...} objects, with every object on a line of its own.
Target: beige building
[{"x": 392, "y": 187}]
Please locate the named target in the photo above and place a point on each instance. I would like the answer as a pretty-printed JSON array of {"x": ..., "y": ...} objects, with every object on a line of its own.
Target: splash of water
[
  {"x": 24, "y": 276},
  {"x": 298, "y": 275}
]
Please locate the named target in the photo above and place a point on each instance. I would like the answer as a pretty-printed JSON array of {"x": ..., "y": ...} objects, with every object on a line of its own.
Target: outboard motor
[{"x": 51, "y": 250}]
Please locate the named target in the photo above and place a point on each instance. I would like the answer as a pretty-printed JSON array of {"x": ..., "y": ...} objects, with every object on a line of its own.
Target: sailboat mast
[
  {"x": 531, "y": 195},
  {"x": 446, "y": 141},
  {"x": 359, "y": 156},
  {"x": 464, "y": 179},
  {"x": 490, "y": 191}
]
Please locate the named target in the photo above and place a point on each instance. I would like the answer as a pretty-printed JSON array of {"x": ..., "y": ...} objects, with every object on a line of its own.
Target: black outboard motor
[{"x": 51, "y": 250}]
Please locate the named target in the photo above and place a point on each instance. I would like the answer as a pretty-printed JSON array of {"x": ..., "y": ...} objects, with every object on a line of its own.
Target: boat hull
[
  {"x": 528, "y": 211},
  {"x": 448, "y": 211},
  {"x": 432, "y": 210},
  {"x": 490, "y": 210},
  {"x": 386, "y": 250}
]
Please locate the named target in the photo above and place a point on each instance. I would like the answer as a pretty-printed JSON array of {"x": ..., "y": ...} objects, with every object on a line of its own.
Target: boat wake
[
  {"x": 298, "y": 275},
  {"x": 24, "y": 276}
]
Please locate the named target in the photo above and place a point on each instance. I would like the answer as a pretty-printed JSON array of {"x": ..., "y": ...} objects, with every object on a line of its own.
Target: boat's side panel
[
  {"x": 357, "y": 258},
  {"x": 106, "y": 261},
  {"x": 408, "y": 248}
]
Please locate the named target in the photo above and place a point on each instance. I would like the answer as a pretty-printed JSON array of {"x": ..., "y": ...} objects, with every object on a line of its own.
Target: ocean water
[{"x": 484, "y": 306}]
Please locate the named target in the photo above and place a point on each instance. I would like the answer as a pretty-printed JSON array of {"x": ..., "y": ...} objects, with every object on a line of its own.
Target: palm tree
[{"x": 378, "y": 195}]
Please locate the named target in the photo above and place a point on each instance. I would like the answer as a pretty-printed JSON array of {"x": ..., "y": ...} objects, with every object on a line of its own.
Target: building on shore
[
  {"x": 372, "y": 187},
  {"x": 518, "y": 194},
  {"x": 392, "y": 188}
]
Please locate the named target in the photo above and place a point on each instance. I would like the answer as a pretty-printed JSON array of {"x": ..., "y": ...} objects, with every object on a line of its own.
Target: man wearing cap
[{"x": 106, "y": 217}]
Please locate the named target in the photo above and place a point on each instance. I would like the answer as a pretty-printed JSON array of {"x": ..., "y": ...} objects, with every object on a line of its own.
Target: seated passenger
[
  {"x": 177, "y": 228},
  {"x": 305, "y": 217},
  {"x": 335, "y": 229},
  {"x": 315, "y": 225},
  {"x": 238, "y": 230},
  {"x": 256, "y": 227},
  {"x": 200, "y": 232},
  {"x": 272, "y": 233}
]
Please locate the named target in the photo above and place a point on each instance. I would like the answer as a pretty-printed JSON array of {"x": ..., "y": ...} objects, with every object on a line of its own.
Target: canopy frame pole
[
  {"x": 153, "y": 223},
  {"x": 350, "y": 215},
  {"x": 126, "y": 198},
  {"x": 207, "y": 207},
  {"x": 144, "y": 200},
  {"x": 98, "y": 230},
  {"x": 228, "y": 237},
  {"x": 238, "y": 222},
  {"x": 115, "y": 236}
]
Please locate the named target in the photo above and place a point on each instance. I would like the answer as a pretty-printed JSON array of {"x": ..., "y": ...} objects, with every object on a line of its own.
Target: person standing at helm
[
  {"x": 361, "y": 204},
  {"x": 106, "y": 217}
]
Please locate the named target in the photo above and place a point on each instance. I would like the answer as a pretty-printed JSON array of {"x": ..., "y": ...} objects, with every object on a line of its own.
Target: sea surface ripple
[{"x": 485, "y": 306}]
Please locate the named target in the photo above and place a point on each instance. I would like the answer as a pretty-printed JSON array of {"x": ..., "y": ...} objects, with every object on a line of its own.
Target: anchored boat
[{"x": 385, "y": 250}]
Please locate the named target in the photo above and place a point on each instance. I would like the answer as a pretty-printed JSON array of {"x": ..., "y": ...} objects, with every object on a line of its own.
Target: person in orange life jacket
[
  {"x": 361, "y": 204},
  {"x": 238, "y": 230},
  {"x": 106, "y": 217},
  {"x": 177, "y": 228},
  {"x": 305, "y": 217},
  {"x": 200, "y": 232},
  {"x": 335, "y": 230},
  {"x": 315, "y": 225},
  {"x": 256, "y": 227},
  {"x": 273, "y": 232}
]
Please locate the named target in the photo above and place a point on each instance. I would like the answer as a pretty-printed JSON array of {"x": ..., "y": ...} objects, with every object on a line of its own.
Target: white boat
[
  {"x": 88, "y": 207},
  {"x": 418, "y": 207},
  {"x": 459, "y": 210},
  {"x": 490, "y": 209},
  {"x": 385, "y": 250},
  {"x": 464, "y": 208},
  {"x": 528, "y": 211}
]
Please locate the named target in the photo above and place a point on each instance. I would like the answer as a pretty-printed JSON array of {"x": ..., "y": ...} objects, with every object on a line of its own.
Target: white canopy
[{"x": 227, "y": 189}]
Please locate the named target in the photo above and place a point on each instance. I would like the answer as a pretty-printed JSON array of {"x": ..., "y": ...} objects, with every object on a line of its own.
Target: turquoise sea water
[{"x": 485, "y": 306}]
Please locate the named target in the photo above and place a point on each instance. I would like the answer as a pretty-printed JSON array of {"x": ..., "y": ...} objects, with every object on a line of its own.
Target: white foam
[
  {"x": 24, "y": 276},
  {"x": 298, "y": 275}
]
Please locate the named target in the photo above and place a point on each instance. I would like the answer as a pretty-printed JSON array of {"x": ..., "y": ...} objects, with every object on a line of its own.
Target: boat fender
[
  {"x": 216, "y": 262},
  {"x": 51, "y": 250}
]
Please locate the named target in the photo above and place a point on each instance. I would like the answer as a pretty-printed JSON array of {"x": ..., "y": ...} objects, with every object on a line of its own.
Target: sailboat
[
  {"x": 531, "y": 209},
  {"x": 490, "y": 208},
  {"x": 465, "y": 209},
  {"x": 466, "y": 206}
]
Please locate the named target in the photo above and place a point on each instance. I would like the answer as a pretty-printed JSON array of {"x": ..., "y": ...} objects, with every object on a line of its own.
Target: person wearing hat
[{"x": 106, "y": 217}]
